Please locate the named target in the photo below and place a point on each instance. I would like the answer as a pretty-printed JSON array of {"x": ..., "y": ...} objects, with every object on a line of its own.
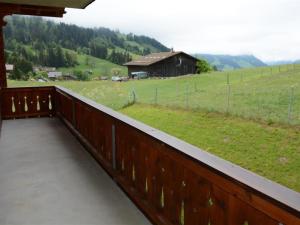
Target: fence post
[
  {"x": 290, "y": 109},
  {"x": 228, "y": 93},
  {"x": 133, "y": 96},
  {"x": 187, "y": 97},
  {"x": 155, "y": 97},
  {"x": 177, "y": 90}
]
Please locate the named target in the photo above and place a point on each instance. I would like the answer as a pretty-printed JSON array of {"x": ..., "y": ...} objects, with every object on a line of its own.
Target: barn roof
[
  {"x": 152, "y": 58},
  {"x": 79, "y": 4}
]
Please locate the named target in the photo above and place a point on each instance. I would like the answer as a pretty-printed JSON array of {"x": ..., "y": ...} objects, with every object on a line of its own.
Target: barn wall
[{"x": 169, "y": 67}]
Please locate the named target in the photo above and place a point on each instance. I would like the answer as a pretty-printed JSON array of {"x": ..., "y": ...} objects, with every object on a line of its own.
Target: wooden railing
[
  {"x": 0, "y": 111},
  {"x": 28, "y": 102},
  {"x": 172, "y": 182}
]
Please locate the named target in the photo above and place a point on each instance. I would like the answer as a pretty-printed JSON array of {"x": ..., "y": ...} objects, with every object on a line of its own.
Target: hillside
[
  {"x": 282, "y": 62},
  {"x": 46, "y": 43},
  {"x": 228, "y": 62},
  {"x": 97, "y": 67}
]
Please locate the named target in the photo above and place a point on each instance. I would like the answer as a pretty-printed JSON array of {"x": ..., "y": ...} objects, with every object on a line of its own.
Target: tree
[
  {"x": 215, "y": 68},
  {"x": 6, "y": 56},
  {"x": 203, "y": 66},
  {"x": 59, "y": 58},
  {"x": 22, "y": 69},
  {"x": 81, "y": 76},
  {"x": 98, "y": 50},
  {"x": 70, "y": 59}
]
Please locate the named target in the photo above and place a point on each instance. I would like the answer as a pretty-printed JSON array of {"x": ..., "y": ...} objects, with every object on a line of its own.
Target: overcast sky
[{"x": 268, "y": 29}]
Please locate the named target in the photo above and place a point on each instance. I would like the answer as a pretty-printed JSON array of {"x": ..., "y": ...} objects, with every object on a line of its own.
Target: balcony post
[{"x": 3, "y": 81}]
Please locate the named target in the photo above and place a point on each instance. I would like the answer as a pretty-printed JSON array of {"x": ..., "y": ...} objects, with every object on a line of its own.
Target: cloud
[{"x": 268, "y": 29}]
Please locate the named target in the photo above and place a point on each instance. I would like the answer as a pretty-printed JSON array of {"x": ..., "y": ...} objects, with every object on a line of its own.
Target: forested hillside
[{"x": 42, "y": 42}]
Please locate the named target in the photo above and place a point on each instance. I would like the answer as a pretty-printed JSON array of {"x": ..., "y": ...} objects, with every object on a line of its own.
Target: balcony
[
  {"x": 64, "y": 159},
  {"x": 47, "y": 178}
]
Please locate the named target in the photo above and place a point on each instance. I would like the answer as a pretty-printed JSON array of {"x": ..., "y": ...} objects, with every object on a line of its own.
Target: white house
[{"x": 9, "y": 67}]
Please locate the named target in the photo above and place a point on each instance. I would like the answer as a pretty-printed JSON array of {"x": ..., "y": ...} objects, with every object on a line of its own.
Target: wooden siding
[{"x": 168, "y": 68}]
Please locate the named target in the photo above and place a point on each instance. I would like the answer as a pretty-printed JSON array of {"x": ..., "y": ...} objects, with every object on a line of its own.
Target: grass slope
[
  {"x": 100, "y": 67},
  {"x": 271, "y": 151}
]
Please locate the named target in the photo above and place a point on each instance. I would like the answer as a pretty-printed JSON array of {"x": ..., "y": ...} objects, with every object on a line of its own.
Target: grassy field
[
  {"x": 271, "y": 151},
  {"x": 250, "y": 117},
  {"x": 270, "y": 94}
]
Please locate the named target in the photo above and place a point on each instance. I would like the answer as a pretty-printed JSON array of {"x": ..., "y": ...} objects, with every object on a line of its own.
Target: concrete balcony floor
[{"x": 46, "y": 177}]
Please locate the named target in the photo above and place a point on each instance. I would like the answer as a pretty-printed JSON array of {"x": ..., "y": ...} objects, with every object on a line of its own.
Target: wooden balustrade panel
[
  {"x": 182, "y": 191},
  {"x": 64, "y": 106},
  {"x": 28, "y": 102},
  {"x": 95, "y": 127}
]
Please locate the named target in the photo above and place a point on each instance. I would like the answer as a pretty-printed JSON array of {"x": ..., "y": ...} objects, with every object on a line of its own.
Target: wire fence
[{"x": 269, "y": 101}]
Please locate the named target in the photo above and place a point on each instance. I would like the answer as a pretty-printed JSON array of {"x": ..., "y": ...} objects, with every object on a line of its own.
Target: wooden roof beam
[{"x": 9, "y": 9}]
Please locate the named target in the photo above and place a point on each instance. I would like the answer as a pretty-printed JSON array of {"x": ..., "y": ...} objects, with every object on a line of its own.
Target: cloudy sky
[{"x": 269, "y": 29}]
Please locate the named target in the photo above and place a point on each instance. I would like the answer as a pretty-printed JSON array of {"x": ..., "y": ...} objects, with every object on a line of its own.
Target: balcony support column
[{"x": 3, "y": 81}]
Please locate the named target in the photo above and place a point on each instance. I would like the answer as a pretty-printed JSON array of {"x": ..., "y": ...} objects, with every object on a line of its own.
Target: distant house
[
  {"x": 163, "y": 64},
  {"x": 9, "y": 68},
  {"x": 54, "y": 75},
  {"x": 44, "y": 69}
]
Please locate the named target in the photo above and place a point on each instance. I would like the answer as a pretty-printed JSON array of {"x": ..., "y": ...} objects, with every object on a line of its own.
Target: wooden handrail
[{"x": 171, "y": 181}]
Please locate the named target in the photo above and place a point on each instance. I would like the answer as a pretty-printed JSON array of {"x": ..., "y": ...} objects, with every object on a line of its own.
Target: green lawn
[{"x": 271, "y": 151}]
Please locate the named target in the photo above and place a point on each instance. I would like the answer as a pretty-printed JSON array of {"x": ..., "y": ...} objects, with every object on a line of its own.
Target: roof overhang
[
  {"x": 52, "y": 8},
  {"x": 78, "y": 4}
]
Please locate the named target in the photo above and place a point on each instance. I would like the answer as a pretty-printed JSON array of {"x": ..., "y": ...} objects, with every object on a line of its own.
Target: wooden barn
[{"x": 163, "y": 64}]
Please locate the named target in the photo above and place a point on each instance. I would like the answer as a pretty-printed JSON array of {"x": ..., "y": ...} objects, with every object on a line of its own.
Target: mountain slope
[
  {"x": 282, "y": 62},
  {"x": 101, "y": 42},
  {"x": 227, "y": 62}
]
